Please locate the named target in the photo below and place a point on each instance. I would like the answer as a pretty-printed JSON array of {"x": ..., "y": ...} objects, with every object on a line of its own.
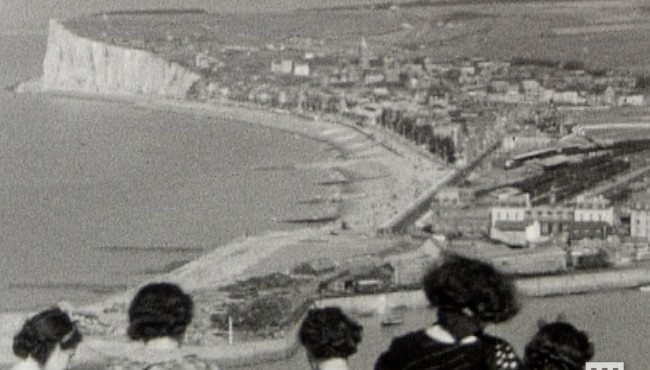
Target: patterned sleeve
[{"x": 501, "y": 356}]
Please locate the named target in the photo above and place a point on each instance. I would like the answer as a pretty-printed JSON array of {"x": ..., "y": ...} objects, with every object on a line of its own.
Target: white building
[
  {"x": 301, "y": 70},
  {"x": 594, "y": 209},
  {"x": 513, "y": 209},
  {"x": 640, "y": 221},
  {"x": 284, "y": 66},
  {"x": 590, "y": 216}
]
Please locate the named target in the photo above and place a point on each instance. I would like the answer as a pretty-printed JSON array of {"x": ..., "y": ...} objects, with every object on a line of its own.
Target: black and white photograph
[{"x": 324, "y": 184}]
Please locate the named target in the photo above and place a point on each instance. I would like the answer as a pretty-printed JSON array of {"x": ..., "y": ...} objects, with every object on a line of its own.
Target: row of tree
[{"x": 421, "y": 134}]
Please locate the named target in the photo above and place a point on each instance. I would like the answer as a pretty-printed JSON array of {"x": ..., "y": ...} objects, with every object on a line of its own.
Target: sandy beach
[{"x": 380, "y": 177}]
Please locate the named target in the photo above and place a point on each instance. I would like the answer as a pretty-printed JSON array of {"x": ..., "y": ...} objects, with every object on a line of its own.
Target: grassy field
[{"x": 603, "y": 34}]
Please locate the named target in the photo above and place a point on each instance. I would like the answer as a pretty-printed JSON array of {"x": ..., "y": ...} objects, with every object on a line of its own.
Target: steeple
[{"x": 364, "y": 54}]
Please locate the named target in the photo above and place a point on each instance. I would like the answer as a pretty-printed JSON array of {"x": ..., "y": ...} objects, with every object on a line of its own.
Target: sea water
[{"x": 98, "y": 195}]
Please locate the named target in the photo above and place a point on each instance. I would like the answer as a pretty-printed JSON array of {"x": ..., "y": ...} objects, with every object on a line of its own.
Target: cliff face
[{"x": 78, "y": 64}]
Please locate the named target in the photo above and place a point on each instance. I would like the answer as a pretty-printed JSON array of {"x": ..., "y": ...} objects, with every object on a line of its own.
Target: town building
[
  {"x": 373, "y": 77},
  {"x": 594, "y": 209},
  {"x": 640, "y": 221},
  {"x": 516, "y": 222},
  {"x": 526, "y": 141},
  {"x": 284, "y": 66},
  {"x": 301, "y": 69},
  {"x": 470, "y": 222}
]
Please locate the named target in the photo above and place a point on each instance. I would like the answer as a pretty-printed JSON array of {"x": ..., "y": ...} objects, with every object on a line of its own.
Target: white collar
[
  {"x": 335, "y": 363},
  {"x": 438, "y": 333}
]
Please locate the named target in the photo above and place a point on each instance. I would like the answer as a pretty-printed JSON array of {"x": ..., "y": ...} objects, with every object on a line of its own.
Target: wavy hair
[
  {"x": 460, "y": 284},
  {"x": 558, "y": 346},
  {"x": 159, "y": 310},
  {"x": 328, "y": 332},
  {"x": 41, "y": 334}
]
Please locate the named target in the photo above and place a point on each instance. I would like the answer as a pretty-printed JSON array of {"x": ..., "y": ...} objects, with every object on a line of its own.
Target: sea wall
[
  {"x": 577, "y": 283},
  {"x": 544, "y": 286},
  {"x": 74, "y": 63}
]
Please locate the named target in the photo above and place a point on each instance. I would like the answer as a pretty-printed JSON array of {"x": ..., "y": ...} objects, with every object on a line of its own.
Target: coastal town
[
  {"x": 545, "y": 160},
  {"x": 535, "y": 189}
]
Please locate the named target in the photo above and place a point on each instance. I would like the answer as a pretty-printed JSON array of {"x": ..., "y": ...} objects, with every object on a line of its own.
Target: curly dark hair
[
  {"x": 328, "y": 332},
  {"x": 460, "y": 284},
  {"x": 558, "y": 346},
  {"x": 159, "y": 310},
  {"x": 41, "y": 334}
]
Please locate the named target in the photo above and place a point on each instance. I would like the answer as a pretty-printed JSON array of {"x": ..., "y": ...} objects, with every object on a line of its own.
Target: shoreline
[
  {"x": 247, "y": 256},
  {"x": 364, "y": 170}
]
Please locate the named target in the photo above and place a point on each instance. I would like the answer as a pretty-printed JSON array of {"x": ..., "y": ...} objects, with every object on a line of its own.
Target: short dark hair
[
  {"x": 461, "y": 284},
  {"x": 328, "y": 332},
  {"x": 559, "y": 346},
  {"x": 43, "y": 332},
  {"x": 159, "y": 310}
]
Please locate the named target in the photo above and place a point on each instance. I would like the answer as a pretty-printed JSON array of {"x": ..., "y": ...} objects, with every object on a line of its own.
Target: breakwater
[{"x": 77, "y": 64}]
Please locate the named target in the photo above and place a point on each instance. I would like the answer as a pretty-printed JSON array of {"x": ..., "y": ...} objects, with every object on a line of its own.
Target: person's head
[
  {"x": 471, "y": 288},
  {"x": 159, "y": 310},
  {"x": 328, "y": 333},
  {"x": 558, "y": 346},
  {"x": 50, "y": 338}
]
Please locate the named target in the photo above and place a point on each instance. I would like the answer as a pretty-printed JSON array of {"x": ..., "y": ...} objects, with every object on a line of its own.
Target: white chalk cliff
[{"x": 75, "y": 63}]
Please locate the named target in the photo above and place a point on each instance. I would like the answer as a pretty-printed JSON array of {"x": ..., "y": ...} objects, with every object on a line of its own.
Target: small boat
[
  {"x": 392, "y": 319},
  {"x": 645, "y": 288}
]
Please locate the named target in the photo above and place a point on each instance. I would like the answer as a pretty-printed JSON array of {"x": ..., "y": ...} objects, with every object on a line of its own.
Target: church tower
[{"x": 364, "y": 54}]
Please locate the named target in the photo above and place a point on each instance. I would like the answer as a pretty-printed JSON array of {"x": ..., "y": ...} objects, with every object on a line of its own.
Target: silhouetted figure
[
  {"x": 558, "y": 346},
  {"x": 46, "y": 341},
  {"x": 468, "y": 295},
  {"x": 159, "y": 314},
  {"x": 329, "y": 337}
]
